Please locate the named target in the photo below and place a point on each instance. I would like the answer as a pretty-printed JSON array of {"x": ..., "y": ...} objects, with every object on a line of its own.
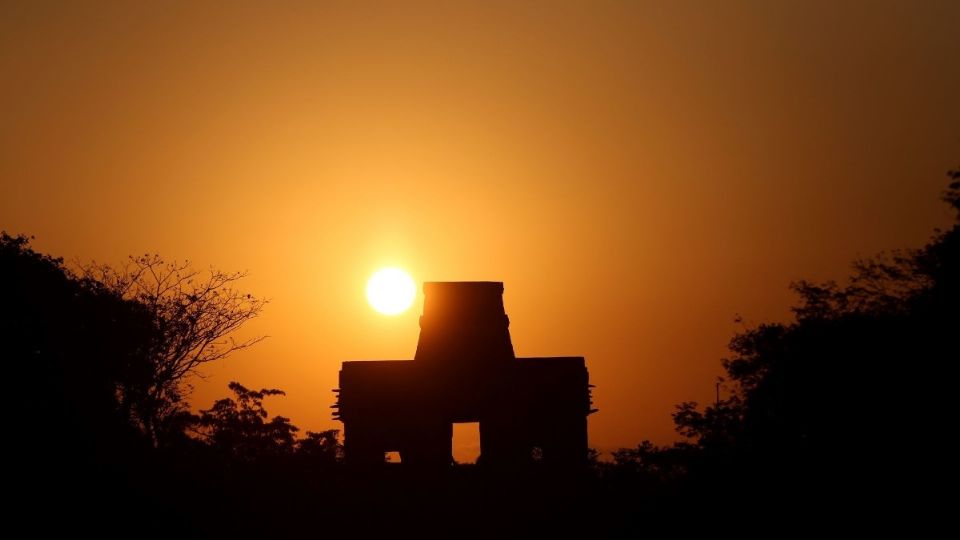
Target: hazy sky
[{"x": 637, "y": 173}]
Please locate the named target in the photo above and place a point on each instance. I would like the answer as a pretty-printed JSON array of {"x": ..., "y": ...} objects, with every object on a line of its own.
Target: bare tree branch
[{"x": 194, "y": 314}]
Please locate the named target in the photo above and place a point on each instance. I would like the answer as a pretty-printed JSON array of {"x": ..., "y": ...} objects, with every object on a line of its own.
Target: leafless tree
[{"x": 194, "y": 313}]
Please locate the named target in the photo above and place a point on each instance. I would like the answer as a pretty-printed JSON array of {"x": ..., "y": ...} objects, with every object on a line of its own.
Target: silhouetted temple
[{"x": 465, "y": 370}]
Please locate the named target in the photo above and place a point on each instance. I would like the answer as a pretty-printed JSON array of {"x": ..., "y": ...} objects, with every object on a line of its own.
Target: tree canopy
[
  {"x": 843, "y": 398},
  {"x": 195, "y": 315}
]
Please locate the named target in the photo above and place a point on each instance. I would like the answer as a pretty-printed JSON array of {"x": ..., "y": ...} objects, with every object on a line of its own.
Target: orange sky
[{"x": 636, "y": 173}]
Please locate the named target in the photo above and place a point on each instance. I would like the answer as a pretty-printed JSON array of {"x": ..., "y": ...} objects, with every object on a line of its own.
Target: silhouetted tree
[
  {"x": 194, "y": 314},
  {"x": 78, "y": 341},
  {"x": 836, "y": 400},
  {"x": 239, "y": 427},
  {"x": 321, "y": 448},
  {"x": 69, "y": 345},
  {"x": 653, "y": 464}
]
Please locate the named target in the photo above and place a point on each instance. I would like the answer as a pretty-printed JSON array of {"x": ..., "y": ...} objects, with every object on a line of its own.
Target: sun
[{"x": 390, "y": 291}]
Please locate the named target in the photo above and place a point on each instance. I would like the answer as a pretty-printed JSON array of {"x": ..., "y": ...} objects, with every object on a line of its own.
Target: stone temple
[{"x": 464, "y": 370}]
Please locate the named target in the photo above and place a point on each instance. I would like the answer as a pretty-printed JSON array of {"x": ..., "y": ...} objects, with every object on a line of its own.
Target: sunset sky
[{"x": 636, "y": 173}]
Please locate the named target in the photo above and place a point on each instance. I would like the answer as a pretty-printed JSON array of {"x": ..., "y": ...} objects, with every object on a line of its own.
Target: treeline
[
  {"x": 99, "y": 361},
  {"x": 841, "y": 413}
]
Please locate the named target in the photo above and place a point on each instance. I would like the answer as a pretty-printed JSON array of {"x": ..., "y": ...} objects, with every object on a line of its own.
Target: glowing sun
[{"x": 390, "y": 291}]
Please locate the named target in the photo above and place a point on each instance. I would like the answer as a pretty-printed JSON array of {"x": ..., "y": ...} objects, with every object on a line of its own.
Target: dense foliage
[{"x": 842, "y": 402}]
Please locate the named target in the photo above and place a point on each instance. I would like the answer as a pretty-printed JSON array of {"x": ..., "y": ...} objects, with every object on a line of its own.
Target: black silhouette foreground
[
  {"x": 465, "y": 370},
  {"x": 836, "y": 420}
]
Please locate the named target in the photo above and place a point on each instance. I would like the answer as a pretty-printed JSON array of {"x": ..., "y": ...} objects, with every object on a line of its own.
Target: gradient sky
[{"x": 637, "y": 173}]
